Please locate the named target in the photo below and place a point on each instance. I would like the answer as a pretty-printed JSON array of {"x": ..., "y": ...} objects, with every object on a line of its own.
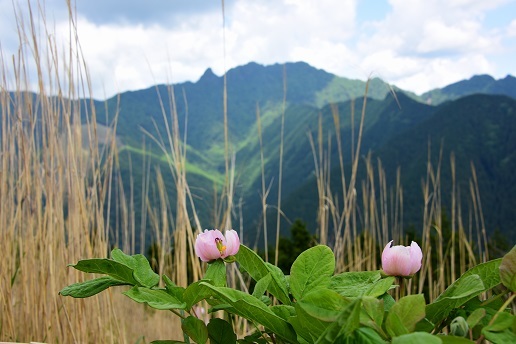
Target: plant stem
[
  {"x": 178, "y": 314},
  {"x": 504, "y": 306}
]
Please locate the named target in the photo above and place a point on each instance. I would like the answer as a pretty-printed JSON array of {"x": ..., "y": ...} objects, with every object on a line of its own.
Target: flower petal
[
  {"x": 205, "y": 245},
  {"x": 232, "y": 243},
  {"x": 401, "y": 260},
  {"x": 416, "y": 257}
]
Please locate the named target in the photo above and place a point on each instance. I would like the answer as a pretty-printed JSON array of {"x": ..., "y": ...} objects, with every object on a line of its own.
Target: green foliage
[
  {"x": 501, "y": 330},
  {"x": 508, "y": 270},
  {"x": 316, "y": 306},
  {"x": 155, "y": 298},
  {"x": 253, "y": 309},
  {"x": 361, "y": 283},
  {"x": 311, "y": 270},
  {"x": 416, "y": 338},
  {"x": 91, "y": 287},
  {"x": 405, "y": 314},
  {"x": 255, "y": 266},
  {"x": 472, "y": 283},
  {"x": 142, "y": 272},
  {"x": 221, "y": 332},
  {"x": 195, "y": 329}
]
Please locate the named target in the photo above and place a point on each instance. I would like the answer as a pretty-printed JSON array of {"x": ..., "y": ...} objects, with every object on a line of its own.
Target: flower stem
[
  {"x": 402, "y": 291},
  {"x": 504, "y": 306}
]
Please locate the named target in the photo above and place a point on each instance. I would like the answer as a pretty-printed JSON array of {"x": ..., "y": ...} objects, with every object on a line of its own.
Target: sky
[{"x": 416, "y": 45}]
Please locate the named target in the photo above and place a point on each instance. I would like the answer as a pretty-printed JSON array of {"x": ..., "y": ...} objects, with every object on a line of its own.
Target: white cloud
[
  {"x": 441, "y": 72},
  {"x": 511, "y": 29},
  {"x": 417, "y": 45},
  {"x": 421, "y": 45},
  {"x": 270, "y": 32},
  {"x": 437, "y": 36},
  {"x": 133, "y": 57}
]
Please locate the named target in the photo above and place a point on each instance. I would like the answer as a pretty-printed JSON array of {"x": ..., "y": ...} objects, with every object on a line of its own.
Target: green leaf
[
  {"x": 167, "y": 342},
  {"x": 216, "y": 272},
  {"x": 417, "y": 338},
  {"x": 475, "y": 317},
  {"x": 508, "y": 270},
  {"x": 405, "y": 314},
  {"x": 359, "y": 283},
  {"x": 311, "y": 270},
  {"x": 249, "y": 307},
  {"x": 108, "y": 267},
  {"x": 279, "y": 281},
  {"x": 373, "y": 312},
  {"x": 366, "y": 335},
  {"x": 283, "y": 311},
  {"x": 346, "y": 323},
  {"x": 500, "y": 337},
  {"x": 454, "y": 340},
  {"x": 196, "y": 292},
  {"x": 500, "y": 331},
  {"x": 257, "y": 269},
  {"x": 173, "y": 289},
  {"x": 307, "y": 327},
  {"x": 459, "y": 292},
  {"x": 380, "y": 287},
  {"x": 323, "y": 304},
  {"x": 388, "y": 301},
  {"x": 471, "y": 284},
  {"x": 394, "y": 325},
  {"x": 142, "y": 270},
  {"x": 261, "y": 286},
  {"x": 155, "y": 298},
  {"x": 254, "y": 338},
  {"x": 195, "y": 329},
  {"x": 221, "y": 332},
  {"x": 91, "y": 287},
  {"x": 502, "y": 322}
]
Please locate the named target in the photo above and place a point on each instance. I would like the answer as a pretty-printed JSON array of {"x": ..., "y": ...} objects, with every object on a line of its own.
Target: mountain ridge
[
  {"x": 483, "y": 84},
  {"x": 254, "y": 87}
]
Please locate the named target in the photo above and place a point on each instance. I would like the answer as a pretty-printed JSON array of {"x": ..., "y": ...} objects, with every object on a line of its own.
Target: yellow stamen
[{"x": 220, "y": 246}]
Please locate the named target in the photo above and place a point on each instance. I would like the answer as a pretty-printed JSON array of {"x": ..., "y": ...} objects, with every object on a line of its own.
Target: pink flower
[
  {"x": 401, "y": 260},
  {"x": 212, "y": 245}
]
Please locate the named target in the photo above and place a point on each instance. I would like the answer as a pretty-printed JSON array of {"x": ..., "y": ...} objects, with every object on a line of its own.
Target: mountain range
[{"x": 474, "y": 119}]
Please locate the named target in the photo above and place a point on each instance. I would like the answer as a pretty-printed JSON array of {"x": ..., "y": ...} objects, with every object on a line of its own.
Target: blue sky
[{"x": 413, "y": 44}]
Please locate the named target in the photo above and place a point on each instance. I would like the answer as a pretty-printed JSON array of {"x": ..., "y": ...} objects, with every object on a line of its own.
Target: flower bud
[
  {"x": 459, "y": 327},
  {"x": 401, "y": 260},
  {"x": 212, "y": 245}
]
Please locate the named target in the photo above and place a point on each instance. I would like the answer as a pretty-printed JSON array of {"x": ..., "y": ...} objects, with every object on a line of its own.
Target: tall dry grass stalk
[{"x": 55, "y": 185}]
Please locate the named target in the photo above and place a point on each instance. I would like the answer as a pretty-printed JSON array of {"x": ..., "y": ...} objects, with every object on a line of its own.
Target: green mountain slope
[
  {"x": 397, "y": 129},
  {"x": 484, "y": 84},
  {"x": 384, "y": 119},
  {"x": 479, "y": 129},
  {"x": 389, "y": 122}
]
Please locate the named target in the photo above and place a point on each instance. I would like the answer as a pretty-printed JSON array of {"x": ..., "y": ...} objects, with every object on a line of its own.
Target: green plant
[{"x": 314, "y": 305}]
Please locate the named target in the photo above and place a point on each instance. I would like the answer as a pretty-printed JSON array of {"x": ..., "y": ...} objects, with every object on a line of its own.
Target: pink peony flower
[
  {"x": 212, "y": 245},
  {"x": 401, "y": 260}
]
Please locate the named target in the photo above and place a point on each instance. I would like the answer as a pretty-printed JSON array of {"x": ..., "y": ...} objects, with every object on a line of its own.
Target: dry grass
[{"x": 53, "y": 192}]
